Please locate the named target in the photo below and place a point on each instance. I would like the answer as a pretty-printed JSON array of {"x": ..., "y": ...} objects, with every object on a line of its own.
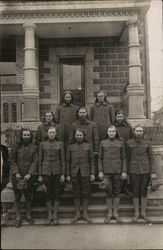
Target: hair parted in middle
[
  {"x": 105, "y": 96},
  {"x": 117, "y": 134},
  {"x": 20, "y": 141},
  {"x": 51, "y": 112}
]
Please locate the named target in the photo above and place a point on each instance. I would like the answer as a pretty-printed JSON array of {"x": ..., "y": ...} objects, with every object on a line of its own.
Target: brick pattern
[{"x": 110, "y": 69}]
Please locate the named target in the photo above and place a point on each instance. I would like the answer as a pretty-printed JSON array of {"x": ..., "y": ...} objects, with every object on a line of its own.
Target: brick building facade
[{"x": 106, "y": 43}]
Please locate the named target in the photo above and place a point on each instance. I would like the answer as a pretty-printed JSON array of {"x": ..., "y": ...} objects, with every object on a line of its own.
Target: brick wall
[{"x": 110, "y": 69}]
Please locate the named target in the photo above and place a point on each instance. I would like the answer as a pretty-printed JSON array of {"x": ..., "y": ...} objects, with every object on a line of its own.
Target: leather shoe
[
  {"x": 55, "y": 221},
  {"x": 48, "y": 221},
  {"x": 30, "y": 221},
  {"x": 18, "y": 223},
  {"x": 107, "y": 220}
]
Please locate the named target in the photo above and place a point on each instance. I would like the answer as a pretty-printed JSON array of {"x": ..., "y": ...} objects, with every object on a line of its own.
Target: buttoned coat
[
  {"x": 42, "y": 130},
  {"x": 140, "y": 156},
  {"x": 103, "y": 115},
  {"x": 80, "y": 157},
  {"x": 65, "y": 116},
  {"x": 51, "y": 158},
  {"x": 90, "y": 130},
  {"x": 112, "y": 157},
  {"x": 24, "y": 159}
]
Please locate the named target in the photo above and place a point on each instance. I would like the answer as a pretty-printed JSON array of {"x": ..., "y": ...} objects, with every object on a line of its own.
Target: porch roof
[{"x": 71, "y": 18}]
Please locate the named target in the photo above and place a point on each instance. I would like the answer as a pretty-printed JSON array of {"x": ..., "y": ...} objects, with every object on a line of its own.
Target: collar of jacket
[
  {"x": 124, "y": 123},
  {"x": 86, "y": 121},
  {"x": 52, "y": 123},
  {"x": 67, "y": 105},
  {"x": 98, "y": 104}
]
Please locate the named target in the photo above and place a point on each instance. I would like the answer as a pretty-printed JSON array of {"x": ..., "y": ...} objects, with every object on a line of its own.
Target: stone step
[
  {"x": 96, "y": 198},
  {"x": 125, "y": 210},
  {"x": 96, "y": 221}
]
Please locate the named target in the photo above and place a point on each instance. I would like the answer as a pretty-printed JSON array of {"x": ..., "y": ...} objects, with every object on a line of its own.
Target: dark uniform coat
[
  {"x": 103, "y": 115},
  {"x": 125, "y": 131},
  {"x": 140, "y": 156},
  {"x": 80, "y": 157},
  {"x": 51, "y": 158},
  {"x": 90, "y": 130},
  {"x": 24, "y": 159},
  {"x": 41, "y": 134},
  {"x": 65, "y": 116},
  {"x": 112, "y": 157},
  {"x": 5, "y": 169}
]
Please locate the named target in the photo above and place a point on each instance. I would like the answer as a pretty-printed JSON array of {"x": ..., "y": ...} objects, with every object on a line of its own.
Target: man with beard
[
  {"x": 140, "y": 164},
  {"x": 23, "y": 164},
  {"x": 88, "y": 127}
]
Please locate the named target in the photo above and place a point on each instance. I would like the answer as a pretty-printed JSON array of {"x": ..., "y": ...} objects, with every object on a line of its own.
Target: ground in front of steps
[{"x": 93, "y": 236}]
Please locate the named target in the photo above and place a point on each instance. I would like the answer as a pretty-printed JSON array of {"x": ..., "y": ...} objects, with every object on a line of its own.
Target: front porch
[{"x": 108, "y": 36}]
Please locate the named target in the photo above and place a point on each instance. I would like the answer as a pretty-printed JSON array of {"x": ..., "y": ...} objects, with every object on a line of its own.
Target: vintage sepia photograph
[{"x": 81, "y": 124}]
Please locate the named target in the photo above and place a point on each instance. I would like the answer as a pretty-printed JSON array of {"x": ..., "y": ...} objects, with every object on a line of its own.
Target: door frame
[
  {"x": 88, "y": 54},
  {"x": 81, "y": 60}
]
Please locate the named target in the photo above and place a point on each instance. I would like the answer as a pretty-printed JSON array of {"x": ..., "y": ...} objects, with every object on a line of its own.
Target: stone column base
[{"x": 31, "y": 109}]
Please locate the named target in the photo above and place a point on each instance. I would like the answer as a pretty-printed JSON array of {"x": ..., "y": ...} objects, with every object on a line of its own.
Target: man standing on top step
[{"x": 140, "y": 165}]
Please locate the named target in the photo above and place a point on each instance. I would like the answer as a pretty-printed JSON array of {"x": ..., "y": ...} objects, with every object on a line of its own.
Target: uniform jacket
[
  {"x": 140, "y": 156},
  {"x": 41, "y": 134},
  {"x": 112, "y": 157},
  {"x": 103, "y": 115},
  {"x": 65, "y": 116},
  {"x": 24, "y": 159},
  {"x": 125, "y": 131},
  {"x": 51, "y": 158},
  {"x": 90, "y": 130},
  {"x": 80, "y": 157}
]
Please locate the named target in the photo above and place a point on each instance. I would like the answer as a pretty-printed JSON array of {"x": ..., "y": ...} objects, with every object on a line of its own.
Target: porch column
[
  {"x": 30, "y": 87},
  {"x": 135, "y": 89}
]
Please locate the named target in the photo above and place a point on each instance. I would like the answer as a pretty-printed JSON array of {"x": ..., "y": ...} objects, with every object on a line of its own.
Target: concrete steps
[
  {"x": 97, "y": 207},
  {"x": 96, "y": 221}
]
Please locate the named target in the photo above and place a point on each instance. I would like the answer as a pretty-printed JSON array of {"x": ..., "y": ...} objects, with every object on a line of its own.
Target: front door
[{"x": 72, "y": 78}]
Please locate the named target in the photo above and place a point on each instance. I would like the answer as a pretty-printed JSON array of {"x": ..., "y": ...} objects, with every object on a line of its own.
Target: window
[
  {"x": 7, "y": 62},
  {"x": 14, "y": 112},
  {"x": 6, "y": 112}
]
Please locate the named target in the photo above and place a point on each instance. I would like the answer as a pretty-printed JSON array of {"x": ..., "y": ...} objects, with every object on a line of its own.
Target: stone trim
[{"x": 61, "y": 14}]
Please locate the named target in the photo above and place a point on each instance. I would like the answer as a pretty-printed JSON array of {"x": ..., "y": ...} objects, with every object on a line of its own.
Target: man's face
[
  {"x": 79, "y": 136},
  {"x": 111, "y": 132},
  {"x": 26, "y": 135},
  {"x": 139, "y": 132},
  {"x": 100, "y": 97},
  {"x": 120, "y": 117},
  {"x": 49, "y": 117},
  {"x": 82, "y": 113},
  {"x": 67, "y": 98},
  {"x": 52, "y": 133}
]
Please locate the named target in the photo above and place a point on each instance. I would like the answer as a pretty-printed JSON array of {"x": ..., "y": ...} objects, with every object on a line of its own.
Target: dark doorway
[{"x": 72, "y": 78}]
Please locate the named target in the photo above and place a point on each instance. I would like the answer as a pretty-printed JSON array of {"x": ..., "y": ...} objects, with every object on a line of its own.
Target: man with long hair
[{"x": 23, "y": 164}]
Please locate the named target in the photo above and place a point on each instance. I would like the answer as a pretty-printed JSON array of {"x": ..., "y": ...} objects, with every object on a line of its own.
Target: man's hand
[
  {"x": 68, "y": 178},
  {"x": 101, "y": 176},
  {"x": 40, "y": 178},
  {"x": 62, "y": 178},
  {"x": 92, "y": 178},
  {"x": 18, "y": 176},
  {"x": 123, "y": 176},
  {"x": 27, "y": 177}
]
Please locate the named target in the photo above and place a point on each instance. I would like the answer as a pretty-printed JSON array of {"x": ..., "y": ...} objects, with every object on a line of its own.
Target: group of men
[{"x": 70, "y": 147}]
